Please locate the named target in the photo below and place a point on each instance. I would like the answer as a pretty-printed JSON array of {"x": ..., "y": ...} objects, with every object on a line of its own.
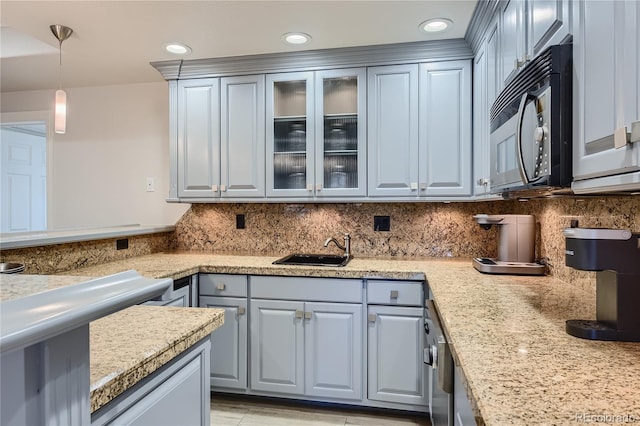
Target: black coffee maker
[{"x": 615, "y": 256}]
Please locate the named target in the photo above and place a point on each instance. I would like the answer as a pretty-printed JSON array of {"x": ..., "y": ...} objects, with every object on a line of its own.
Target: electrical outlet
[
  {"x": 151, "y": 185},
  {"x": 240, "y": 222},
  {"x": 122, "y": 244},
  {"x": 381, "y": 223}
]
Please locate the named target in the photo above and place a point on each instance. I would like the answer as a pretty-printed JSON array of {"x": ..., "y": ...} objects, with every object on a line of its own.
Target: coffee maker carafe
[{"x": 516, "y": 245}]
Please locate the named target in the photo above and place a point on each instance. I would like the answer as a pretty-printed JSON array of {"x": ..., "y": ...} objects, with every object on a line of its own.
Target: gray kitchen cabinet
[
  {"x": 242, "y": 126},
  {"x": 445, "y": 129},
  {"x": 396, "y": 342},
  {"x": 606, "y": 94},
  {"x": 494, "y": 77},
  {"x": 303, "y": 347},
  {"x": 198, "y": 146},
  {"x": 481, "y": 107},
  {"x": 316, "y": 134},
  {"x": 178, "y": 393},
  {"x": 548, "y": 23},
  {"x": 392, "y": 117},
  {"x": 341, "y": 133},
  {"x": 229, "y": 351},
  {"x": 512, "y": 38}
]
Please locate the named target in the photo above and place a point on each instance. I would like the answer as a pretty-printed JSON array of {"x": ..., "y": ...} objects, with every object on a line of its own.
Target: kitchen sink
[{"x": 313, "y": 260}]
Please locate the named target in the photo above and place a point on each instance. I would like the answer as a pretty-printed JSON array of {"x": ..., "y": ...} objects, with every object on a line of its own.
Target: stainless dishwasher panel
[{"x": 438, "y": 355}]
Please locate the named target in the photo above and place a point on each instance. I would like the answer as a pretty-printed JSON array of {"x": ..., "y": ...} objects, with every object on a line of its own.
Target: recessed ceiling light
[
  {"x": 435, "y": 25},
  {"x": 177, "y": 48},
  {"x": 296, "y": 38}
]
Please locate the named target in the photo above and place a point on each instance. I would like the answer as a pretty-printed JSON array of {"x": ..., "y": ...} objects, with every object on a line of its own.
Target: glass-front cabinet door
[
  {"x": 290, "y": 147},
  {"x": 340, "y": 133}
]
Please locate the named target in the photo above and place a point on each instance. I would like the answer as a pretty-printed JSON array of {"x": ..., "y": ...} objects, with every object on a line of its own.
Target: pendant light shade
[
  {"x": 60, "y": 118},
  {"x": 61, "y": 33}
]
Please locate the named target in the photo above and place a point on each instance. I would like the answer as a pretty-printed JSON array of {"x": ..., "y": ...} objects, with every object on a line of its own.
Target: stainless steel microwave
[{"x": 531, "y": 127}]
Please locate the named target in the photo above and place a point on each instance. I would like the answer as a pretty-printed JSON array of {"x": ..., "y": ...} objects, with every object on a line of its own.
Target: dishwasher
[{"x": 437, "y": 354}]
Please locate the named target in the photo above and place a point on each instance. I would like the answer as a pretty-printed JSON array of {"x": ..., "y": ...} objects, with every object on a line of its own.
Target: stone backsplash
[
  {"x": 417, "y": 229},
  {"x": 53, "y": 259}
]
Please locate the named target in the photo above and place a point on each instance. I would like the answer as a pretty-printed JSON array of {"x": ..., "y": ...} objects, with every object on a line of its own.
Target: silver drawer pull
[
  {"x": 299, "y": 314},
  {"x": 220, "y": 286},
  {"x": 241, "y": 310},
  {"x": 394, "y": 294},
  {"x": 371, "y": 317},
  {"x": 308, "y": 315}
]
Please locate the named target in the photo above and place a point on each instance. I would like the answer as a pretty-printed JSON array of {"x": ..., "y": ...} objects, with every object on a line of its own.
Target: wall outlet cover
[
  {"x": 122, "y": 244},
  {"x": 240, "y": 221},
  {"x": 381, "y": 223}
]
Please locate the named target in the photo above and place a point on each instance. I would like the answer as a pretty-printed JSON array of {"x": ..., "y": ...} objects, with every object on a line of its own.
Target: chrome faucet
[{"x": 346, "y": 247}]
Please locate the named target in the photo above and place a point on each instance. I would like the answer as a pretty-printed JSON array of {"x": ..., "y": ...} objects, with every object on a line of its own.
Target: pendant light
[{"x": 61, "y": 33}]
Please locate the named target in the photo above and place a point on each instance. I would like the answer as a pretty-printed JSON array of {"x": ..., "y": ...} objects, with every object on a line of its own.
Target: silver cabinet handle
[
  {"x": 318, "y": 187},
  {"x": 394, "y": 294},
  {"x": 371, "y": 317},
  {"x": 310, "y": 187},
  {"x": 241, "y": 310},
  {"x": 223, "y": 188},
  {"x": 214, "y": 188},
  {"x": 308, "y": 315},
  {"x": 220, "y": 286},
  {"x": 299, "y": 314},
  {"x": 413, "y": 186}
]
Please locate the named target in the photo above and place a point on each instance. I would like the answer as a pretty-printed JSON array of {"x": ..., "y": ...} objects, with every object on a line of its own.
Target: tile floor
[{"x": 228, "y": 410}]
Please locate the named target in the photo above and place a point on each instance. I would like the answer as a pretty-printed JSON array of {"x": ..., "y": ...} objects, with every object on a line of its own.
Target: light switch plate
[{"x": 151, "y": 185}]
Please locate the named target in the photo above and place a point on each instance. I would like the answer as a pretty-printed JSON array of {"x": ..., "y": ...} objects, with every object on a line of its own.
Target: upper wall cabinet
[
  {"x": 242, "y": 136},
  {"x": 445, "y": 128},
  {"x": 606, "y": 95},
  {"x": 527, "y": 28},
  {"x": 393, "y": 130},
  {"x": 199, "y": 138},
  {"x": 316, "y": 134}
]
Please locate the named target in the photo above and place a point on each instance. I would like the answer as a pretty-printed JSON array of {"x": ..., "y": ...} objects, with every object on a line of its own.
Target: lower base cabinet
[
  {"x": 396, "y": 345},
  {"x": 305, "y": 348},
  {"x": 462, "y": 411},
  {"x": 177, "y": 394}
]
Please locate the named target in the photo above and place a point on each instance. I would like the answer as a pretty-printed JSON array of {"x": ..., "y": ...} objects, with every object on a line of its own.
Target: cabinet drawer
[
  {"x": 406, "y": 293},
  {"x": 223, "y": 285},
  {"x": 307, "y": 289}
]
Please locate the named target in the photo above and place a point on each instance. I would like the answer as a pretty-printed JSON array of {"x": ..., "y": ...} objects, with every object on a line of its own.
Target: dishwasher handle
[{"x": 444, "y": 365}]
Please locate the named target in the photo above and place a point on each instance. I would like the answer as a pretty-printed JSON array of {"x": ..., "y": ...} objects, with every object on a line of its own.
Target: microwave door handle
[{"x": 523, "y": 104}]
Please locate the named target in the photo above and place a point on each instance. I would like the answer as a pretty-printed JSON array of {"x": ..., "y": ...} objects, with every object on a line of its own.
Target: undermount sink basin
[{"x": 313, "y": 260}]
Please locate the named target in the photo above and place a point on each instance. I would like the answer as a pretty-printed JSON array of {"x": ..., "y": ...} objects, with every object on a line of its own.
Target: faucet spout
[{"x": 346, "y": 247}]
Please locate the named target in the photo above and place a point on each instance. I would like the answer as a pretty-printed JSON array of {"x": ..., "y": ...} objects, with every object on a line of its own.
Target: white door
[
  {"x": 548, "y": 22},
  {"x": 23, "y": 177},
  {"x": 333, "y": 350},
  {"x": 512, "y": 38},
  {"x": 480, "y": 123},
  {"x": 445, "y": 128},
  {"x": 199, "y": 138},
  {"x": 243, "y": 141},
  {"x": 277, "y": 346},
  {"x": 397, "y": 371},
  {"x": 229, "y": 343},
  {"x": 393, "y": 130}
]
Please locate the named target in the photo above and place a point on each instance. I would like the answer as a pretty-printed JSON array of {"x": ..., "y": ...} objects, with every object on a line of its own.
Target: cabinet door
[
  {"x": 333, "y": 350},
  {"x": 199, "y": 138},
  {"x": 396, "y": 344},
  {"x": 341, "y": 133},
  {"x": 393, "y": 130},
  {"x": 445, "y": 128},
  {"x": 548, "y": 22},
  {"x": 494, "y": 77},
  {"x": 229, "y": 343},
  {"x": 512, "y": 38},
  {"x": 243, "y": 141},
  {"x": 605, "y": 86},
  {"x": 480, "y": 123},
  {"x": 277, "y": 346},
  {"x": 290, "y": 135}
]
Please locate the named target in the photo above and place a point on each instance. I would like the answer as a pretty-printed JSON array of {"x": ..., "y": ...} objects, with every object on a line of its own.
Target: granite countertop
[
  {"x": 128, "y": 345},
  {"x": 519, "y": 365}
]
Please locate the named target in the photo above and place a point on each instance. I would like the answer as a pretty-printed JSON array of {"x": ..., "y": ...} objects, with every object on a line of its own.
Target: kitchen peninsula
[
  {"x": 517, "y": 363},
  {"x": 102, "y": 358}
]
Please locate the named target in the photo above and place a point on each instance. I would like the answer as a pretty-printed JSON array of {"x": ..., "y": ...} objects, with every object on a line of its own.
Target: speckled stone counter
[
  {"x": 129, "y": 345},
  {"x": 519, "y": 366}
]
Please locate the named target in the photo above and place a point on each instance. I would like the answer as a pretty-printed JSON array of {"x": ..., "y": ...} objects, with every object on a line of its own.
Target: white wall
[{"x": 117, "y": 136}]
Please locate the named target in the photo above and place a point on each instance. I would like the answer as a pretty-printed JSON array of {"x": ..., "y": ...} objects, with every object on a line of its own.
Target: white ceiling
[{"x": 114, "y": 41}]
